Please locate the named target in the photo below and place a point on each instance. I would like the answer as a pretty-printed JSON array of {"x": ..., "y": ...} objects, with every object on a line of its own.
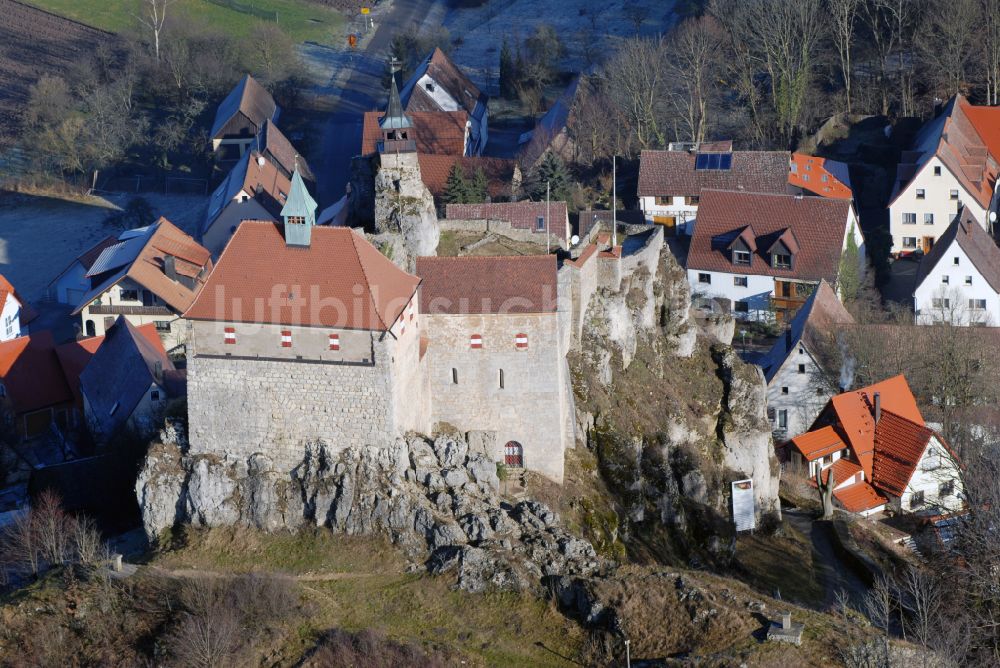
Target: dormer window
[
  {"x": 741, "y": 257},
  {"x": 781, "y": 260}
]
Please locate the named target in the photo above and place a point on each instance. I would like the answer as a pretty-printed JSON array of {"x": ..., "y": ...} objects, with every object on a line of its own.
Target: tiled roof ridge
[{"x": 368, "y": 285}]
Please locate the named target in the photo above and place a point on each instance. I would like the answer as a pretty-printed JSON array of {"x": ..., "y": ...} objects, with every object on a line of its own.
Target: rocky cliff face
[
  {"x": 437, "y": 500},
  {"x": 673, "y": 417}
]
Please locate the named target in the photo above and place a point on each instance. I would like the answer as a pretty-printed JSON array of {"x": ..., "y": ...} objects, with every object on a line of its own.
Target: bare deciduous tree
[
  {"x": 844, "y": 16},
  {"x": 634, "y": 86},
  {"x": 153, "y": 15},
  {"x": 693, "y": 74}
]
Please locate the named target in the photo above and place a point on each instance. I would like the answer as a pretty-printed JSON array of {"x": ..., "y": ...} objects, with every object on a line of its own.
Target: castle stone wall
[{"x": 530, "y": 408}]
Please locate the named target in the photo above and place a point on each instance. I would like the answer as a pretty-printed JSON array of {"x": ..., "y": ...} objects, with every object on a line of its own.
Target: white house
[
  {"x": 881, "y": 453},
  {"x": 149, "y": 275},
  {"x": 14, "y": 312},
  {"x": 800, "y": 380},
  {"x": 438, "y": 84},
  {"x": 950, "y": 167},
  {"x": 958, "y": 282},
  {"x": 240, "y": 117},
  {"x": 255, "y": 189},
  {"x": 761, "y": 255},
  {"x": 671, "y": 182}
]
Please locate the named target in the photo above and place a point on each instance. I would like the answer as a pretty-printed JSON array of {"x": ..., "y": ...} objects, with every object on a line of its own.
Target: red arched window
[
  {"x": 335, "y": 342},
  {"x": 230, "y": 335},
  {"x": 476, "y": 341},
  {"x": 286, "y": 338}
]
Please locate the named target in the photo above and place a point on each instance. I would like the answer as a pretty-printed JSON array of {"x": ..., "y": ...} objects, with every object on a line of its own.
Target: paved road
[
  {"x": 362, "y": 91},
  {"x": 834, "y": 574}
]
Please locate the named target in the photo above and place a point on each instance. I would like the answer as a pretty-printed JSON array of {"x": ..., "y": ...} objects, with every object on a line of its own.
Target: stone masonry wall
[
  {"x": 531, "y": 406},
  {"x": 503, "y": 228},
  {"x": 246, "y": 406}
]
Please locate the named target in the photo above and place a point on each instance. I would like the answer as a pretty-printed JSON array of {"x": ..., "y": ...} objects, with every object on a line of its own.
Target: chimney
[
  {"x": 786, "y": 620},
  {"x": 170, "y": 266},
  {"x": 878, "y": 407}
]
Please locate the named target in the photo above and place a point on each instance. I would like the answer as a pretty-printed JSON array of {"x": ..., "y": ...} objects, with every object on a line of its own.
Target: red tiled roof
[
  {"x": 511, "y": 284},
  {"x": 843, "y": 470},
  {"x": 954, "y": 139},
  {"x": 815, "y": 224},
  {"x": 191, "y": 259},
  {"x": 672, "y": 173},
  {"x": 30, "y": 372},
  {"x": 521, "y": 215},
  {"x": 340, "y": 281},
  {"x": 986, "y": 121},
  {"x": 435, "y": 169},
  {"x": 448, "y": 76},
  {"x": 435, "y": 132},
  {"x": 859, "y": 497},
  {"x": 818, "y": 443},
  {"x": 899, "y": 445},
  {"x": 854, "y": 411},
  {"x": 826, "y": 178}
]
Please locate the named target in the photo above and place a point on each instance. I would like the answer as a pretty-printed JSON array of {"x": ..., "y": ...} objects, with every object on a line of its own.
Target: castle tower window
[
  {"x": 286, "y": 338},
  {"x": 501, "y": 379},
  {"x": 476, "y": 342},
  {"x": 230, "y": 335},
  {"x": 409, "y": 310},
  {"x": 335, "y": 342},
  {"x": 454, "y": 376},
  {"x": 521, "y": 341}
]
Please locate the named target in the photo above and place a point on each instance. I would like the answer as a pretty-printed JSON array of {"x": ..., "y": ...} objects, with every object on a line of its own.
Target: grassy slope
[
  {"x": 299, "y": 18},
  {"x": 375, "y": 592}
]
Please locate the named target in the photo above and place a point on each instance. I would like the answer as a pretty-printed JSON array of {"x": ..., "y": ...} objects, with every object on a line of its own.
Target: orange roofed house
[
  {"x": 881, "y": 454},
  {"x": 952, "y": 164}
]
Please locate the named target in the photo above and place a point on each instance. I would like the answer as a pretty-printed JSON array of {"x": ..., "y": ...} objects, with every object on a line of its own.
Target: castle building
[
  {"x": 303, "y": 334},
  {"x": 494, "y": 355}
]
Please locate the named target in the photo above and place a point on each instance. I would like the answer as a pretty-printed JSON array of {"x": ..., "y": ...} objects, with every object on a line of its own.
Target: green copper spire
[{"x": 299, "y": 213}]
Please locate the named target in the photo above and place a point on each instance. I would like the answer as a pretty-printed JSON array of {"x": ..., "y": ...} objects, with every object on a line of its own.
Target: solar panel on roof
[
  {"x": 119, "y": 255},
  {"x": 701, "y": 161},
  {"x": 726, "y": 161},
  {"x": 713, "y": 161}
]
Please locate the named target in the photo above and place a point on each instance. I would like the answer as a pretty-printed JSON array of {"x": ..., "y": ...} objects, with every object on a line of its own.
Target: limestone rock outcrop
[
  {"x": 405, "y": 207},
  {"x": 435, "y": 499}
]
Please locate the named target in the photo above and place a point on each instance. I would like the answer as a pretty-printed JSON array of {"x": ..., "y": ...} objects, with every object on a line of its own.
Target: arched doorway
[
  {"x": 91, "y": 329},
  {"x": 513, "y": 454}
]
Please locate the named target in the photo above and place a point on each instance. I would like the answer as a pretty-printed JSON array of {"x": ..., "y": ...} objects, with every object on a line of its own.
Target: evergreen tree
[
  {"x": 849, "y": 275},
  {"x": 479, "y": 188},
  {"x": 552, "y": 170},
  {"x": 456, "y": 189},
  {"x": 507, "y": 76}
]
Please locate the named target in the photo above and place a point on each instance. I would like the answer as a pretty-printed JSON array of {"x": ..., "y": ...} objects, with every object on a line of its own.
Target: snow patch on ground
[{"x": 40, "y": 236}]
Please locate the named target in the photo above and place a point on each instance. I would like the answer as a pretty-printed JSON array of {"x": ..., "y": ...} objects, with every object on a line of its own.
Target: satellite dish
[{"x": 575, "y": 239}]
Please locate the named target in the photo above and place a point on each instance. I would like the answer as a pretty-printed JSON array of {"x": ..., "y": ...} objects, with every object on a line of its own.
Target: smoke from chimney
[{"x": 847, "y": 365}]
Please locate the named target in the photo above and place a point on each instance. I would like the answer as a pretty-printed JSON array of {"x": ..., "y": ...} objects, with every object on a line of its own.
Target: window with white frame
[
  {"x": 968, "y": 280},
  {"x": 921, "y": 193},
  {"x": 953, "y": 194},
  {"x": 937, "y": 170},
  {"x": 909, "y": 219},
  {"x": 705, "y": 278},
  {"x": 945, "y": 279},
  {"x": 909, "y": 242},
  {"x": 938, "y": 302},
  {"x": 741, "y": 257},
  {"x": 928, "y": 219},
  {"x": 740, "y": 281},
  {"x": 977, "y": 304},
  {"x": 954, "y": 260}
]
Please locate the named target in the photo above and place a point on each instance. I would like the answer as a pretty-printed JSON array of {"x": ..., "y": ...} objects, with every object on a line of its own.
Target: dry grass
[
  {"x": 454, "y": 244},
  {"x": 780, "y": 563}
]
